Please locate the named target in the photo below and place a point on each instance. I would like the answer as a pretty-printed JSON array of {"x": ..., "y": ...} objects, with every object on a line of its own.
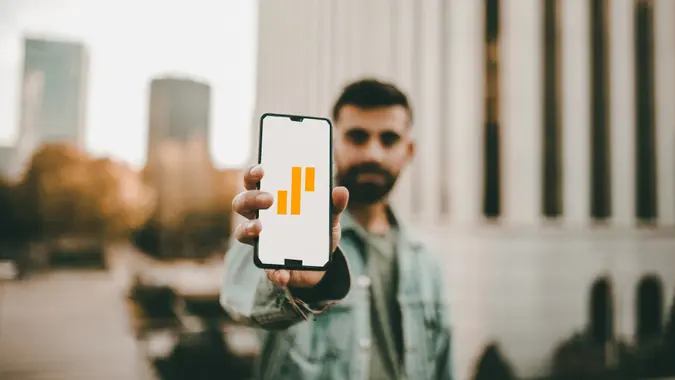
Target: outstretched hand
[{"x": 251, "y": 200}]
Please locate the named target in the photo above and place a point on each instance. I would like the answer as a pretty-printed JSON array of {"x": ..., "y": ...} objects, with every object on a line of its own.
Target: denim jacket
[{"x": 327, "y": 335}]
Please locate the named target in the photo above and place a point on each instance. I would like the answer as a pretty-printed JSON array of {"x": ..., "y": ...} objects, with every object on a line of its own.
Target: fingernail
[
  {"x": 264, "y": 197},
  {"x": 256, "y": 170},
  {"x": 251, "y": 226}
]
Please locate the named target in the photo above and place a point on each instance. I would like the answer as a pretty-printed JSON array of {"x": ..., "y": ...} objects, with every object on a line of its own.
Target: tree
[
  {"x": 7, "y": 222},
  {"x": 493, "y": 366},
  {"x": 654, "y": 359},
  {"x": 66, "y": 192},
  {"x": 43, "y": 199},
  {"x": 117, "y": 199},
  {"x": 51, "y": 157},
  {"x": 582, "y": 357}
]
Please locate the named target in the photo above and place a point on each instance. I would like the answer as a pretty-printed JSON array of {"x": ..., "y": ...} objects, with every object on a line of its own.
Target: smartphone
[{"x": 296, "y": 153}]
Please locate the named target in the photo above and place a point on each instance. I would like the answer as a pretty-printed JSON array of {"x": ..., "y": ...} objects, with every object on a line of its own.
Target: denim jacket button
[
  {"x": 364, "y": 343},
  {"x": 363, "y": 281}
]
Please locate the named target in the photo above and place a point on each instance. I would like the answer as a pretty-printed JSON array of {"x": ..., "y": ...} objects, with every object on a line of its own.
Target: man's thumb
[{"x": 340, "y": 199}]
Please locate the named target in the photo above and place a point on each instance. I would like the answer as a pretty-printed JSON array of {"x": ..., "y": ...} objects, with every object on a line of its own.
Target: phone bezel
[{"x": 291, "y": 265}]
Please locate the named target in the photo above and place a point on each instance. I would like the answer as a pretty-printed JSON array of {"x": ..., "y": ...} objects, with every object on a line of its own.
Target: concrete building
[
  {"x": 178, "y": 156},
  {"x": 546, "y": 149},
  {"x": 62, "y": 69},
  {"x": 180, "y": 110},
  {"x": 32, "y": 95},
  {"x": 7, "y": 158},
  {"x": 179, "y": 164},
  {"x": 14, "y": 159}
]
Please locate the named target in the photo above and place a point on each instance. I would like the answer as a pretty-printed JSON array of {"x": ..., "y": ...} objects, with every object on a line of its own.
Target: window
[
  {"x": 601, "y": 196},
  {"x": 645, "y": 135},
  {"x": 552, "y": 187},
  {"x": 601, "y": 311},
  {"x": 491, "y": 143},
  {"x": 649, "y": 308}
]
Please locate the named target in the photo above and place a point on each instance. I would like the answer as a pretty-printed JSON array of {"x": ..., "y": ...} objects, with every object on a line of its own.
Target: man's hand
[{"x": 247, "y": 203}]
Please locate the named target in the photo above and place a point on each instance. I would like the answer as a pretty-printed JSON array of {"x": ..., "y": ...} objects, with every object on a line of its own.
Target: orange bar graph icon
[
  {"x": 282, "y": 202},
  {"x": 309, "y": 180},
  {"x": 296, "y": 191}
]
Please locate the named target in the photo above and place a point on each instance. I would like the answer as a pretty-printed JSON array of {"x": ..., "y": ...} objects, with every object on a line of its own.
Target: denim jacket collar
[
  {"x": 406, "y": 239},
  {"x": 409, "y": 247}
]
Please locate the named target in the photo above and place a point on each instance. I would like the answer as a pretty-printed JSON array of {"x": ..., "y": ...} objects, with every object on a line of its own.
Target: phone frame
[{"x": 291, "y": 264}]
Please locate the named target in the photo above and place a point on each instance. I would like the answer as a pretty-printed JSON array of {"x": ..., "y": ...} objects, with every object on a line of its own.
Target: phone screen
[{"x": 296, "y": 154}]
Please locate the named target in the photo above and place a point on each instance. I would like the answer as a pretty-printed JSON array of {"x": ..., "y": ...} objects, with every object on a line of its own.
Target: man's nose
[{"x": 374, "y": 151}]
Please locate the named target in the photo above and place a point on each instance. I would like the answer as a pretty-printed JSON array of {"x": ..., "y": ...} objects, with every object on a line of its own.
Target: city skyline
[{"x": 118, "y": 100}]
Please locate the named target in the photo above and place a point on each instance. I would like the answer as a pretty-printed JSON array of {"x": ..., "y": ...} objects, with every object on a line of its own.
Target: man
[{"x": 378, "y": 311}]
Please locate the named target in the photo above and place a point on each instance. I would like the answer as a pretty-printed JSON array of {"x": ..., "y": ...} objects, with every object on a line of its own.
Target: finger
[
  {"x": 248, "y": 202},
  {"x": 248, "y": 232},
  {"x": 253, "y": 175},
  {"x": 279, "y": 277},
  {"x": 340, "y": 199}
]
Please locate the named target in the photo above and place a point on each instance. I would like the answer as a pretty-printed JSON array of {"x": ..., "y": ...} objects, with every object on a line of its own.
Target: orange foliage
[
  {"x": 187, "y": 183},
  {"x": 69, "y": 192}
]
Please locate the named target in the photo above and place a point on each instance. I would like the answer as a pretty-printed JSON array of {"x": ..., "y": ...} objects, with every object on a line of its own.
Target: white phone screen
[{"x": 296, "y": 155}]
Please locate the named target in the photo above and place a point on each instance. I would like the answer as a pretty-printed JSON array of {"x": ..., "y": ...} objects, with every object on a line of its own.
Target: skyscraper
[
  {"x": 179, "y": 163},
  {"x": 179, "y": 111},
  {"x": 179, "y": 119},
  {"x": 61, "y": 110}
]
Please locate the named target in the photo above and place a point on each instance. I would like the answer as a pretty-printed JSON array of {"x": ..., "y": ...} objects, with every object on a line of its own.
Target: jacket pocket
[
  {"x": 296, "y": 367},
  {"x": 423, "y": 328}
]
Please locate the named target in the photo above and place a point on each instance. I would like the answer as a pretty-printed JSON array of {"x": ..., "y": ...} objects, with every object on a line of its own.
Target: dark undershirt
[{"x": 387, "y": 341}]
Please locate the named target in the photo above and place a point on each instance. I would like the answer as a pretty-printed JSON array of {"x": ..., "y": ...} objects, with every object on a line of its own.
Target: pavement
[{"x": 70, "y": 325}]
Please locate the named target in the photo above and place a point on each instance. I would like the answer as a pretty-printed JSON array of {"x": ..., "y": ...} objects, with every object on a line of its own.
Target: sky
[{"x": 129, "y": 42}]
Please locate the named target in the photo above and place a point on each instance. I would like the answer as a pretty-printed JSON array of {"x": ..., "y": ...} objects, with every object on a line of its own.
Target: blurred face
[{"x": 372, "y": 146}]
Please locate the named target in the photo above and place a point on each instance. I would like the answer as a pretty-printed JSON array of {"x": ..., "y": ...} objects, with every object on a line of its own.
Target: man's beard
[{"x": 366, "y": 193}]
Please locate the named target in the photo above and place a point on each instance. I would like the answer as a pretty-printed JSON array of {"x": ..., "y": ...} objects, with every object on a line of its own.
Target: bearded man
[{"x": 379, "y": 311}]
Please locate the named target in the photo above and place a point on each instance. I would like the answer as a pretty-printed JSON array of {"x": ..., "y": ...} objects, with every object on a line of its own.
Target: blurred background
[{"x": 544, "y": 175}]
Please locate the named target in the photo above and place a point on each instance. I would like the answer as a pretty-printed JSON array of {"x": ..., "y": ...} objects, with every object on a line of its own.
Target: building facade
[
  {"x": 178, "y": 157},
  {"x": 32, "y": 91},
  {"x": 62, "y": 68},
  {"x": 7, "y": 156},
  {"x": 180, "y": 110},
  {"x": 179, "y": 165},
  {"x": 545, "y": 162}
]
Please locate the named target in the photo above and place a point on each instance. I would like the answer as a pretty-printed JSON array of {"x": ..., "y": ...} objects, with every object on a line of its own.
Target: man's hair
[{"x": 369, "y": 94}]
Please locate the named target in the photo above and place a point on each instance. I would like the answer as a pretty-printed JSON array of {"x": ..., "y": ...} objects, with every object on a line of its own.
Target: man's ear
[{"x": 411, "y": 149}]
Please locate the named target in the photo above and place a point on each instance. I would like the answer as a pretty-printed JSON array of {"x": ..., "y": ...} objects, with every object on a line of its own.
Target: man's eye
[
  {"x": 358, "y": 137},
  {"x": 389, "y": 138}
]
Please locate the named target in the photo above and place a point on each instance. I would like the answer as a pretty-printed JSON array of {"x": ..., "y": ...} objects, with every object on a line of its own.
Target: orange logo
[{"x": 296, "y": 191}]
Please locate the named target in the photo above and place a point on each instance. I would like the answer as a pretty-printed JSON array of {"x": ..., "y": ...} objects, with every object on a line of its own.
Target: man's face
[{"x": 372, "y": 146}]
